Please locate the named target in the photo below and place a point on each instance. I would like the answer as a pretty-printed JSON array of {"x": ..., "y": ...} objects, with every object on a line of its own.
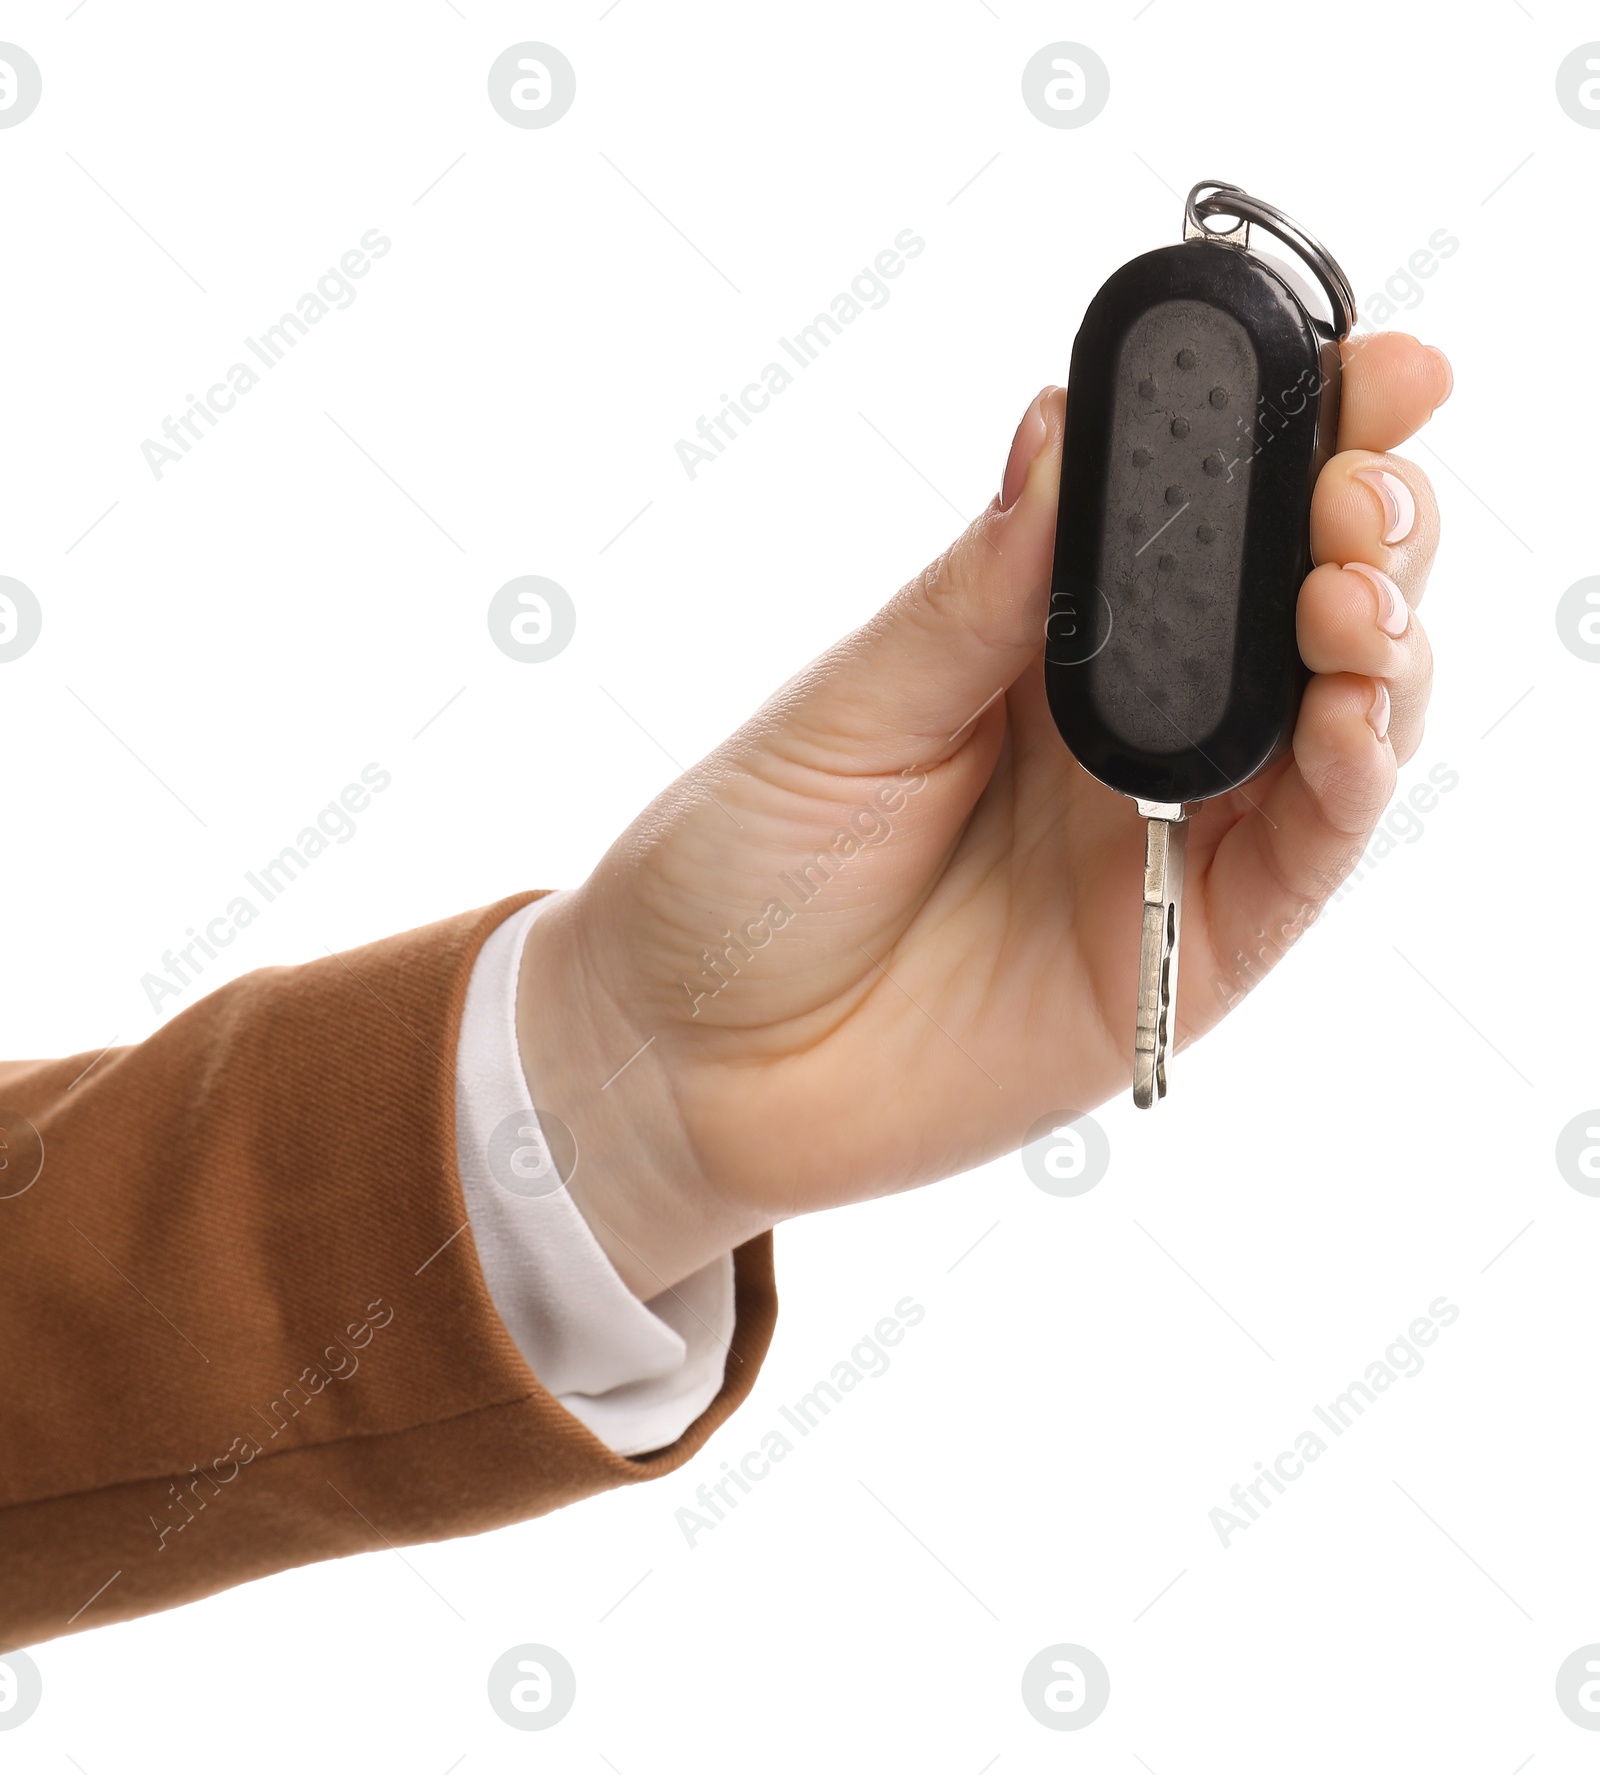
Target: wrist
[{"x": 630, "y": 1165}]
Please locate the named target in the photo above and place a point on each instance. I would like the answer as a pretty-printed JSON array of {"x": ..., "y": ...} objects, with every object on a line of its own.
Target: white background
[{"x": 1367, "y": 1133}]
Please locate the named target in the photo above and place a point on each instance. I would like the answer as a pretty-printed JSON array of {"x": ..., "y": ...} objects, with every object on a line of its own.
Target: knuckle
[
  {"x": 1352, "y": 793},
  {"x": 955, "y": 592},
  {"x": 1417, "y": 677},
  {"x": 1408, "y": 738}
]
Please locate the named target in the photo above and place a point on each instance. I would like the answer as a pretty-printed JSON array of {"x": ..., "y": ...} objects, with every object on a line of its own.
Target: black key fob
[{"x": 1203, "y": 402}]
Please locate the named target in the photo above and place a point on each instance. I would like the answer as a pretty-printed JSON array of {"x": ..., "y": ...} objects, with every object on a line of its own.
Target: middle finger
[{"x": 1378, "y": 509}]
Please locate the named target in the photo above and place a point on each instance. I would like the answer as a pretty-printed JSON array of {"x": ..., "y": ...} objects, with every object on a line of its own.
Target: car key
[{"x": 1204, "y": 402}]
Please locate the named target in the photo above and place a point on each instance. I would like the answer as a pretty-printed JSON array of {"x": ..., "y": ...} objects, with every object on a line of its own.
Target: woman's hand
[{"x": 891, "y": 922}]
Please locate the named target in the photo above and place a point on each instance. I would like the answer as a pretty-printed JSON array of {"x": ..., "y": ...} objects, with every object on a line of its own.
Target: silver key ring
[{"x": 1233, "y": 200}]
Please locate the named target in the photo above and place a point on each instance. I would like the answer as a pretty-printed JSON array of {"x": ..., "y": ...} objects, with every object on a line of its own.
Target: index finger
[{"x": 1391, "y": 385}]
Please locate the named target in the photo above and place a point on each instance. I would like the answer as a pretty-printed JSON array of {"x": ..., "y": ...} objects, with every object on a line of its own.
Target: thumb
[{"x": 905, "y": 686}]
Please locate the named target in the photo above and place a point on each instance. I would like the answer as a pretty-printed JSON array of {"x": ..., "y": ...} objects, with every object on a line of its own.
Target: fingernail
[
  {"x": 1024, "y": 448},
  {"x": 1399, "y": 508},
  {"x": 1449, "y": 374},
  {"x": 1378, "y": 714},
  {"x": 1394, "y": 614}
]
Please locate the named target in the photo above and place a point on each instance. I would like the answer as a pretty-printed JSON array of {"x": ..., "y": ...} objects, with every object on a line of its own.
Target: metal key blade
[{"x": 1166, "y": 842}]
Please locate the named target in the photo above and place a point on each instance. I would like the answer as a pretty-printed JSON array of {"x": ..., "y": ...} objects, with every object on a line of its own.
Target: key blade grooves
[{"x": 1165, "y": 848}]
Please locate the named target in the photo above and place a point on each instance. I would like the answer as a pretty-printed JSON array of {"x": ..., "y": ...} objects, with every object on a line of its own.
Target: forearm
[{"x": 251, "y": 1326}]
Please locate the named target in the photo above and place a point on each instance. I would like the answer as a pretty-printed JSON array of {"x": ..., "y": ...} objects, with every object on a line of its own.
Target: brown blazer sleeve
[{"x": 242, "y": 1314}]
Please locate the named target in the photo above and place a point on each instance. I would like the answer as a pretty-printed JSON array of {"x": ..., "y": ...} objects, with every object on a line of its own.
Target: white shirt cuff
[{"x": 637, "y": 1373}]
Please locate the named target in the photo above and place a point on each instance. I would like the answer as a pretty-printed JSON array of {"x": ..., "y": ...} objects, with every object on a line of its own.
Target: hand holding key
[
  {"x": 1205, "y": 406},
  {"x": 919, "y": 930}
]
